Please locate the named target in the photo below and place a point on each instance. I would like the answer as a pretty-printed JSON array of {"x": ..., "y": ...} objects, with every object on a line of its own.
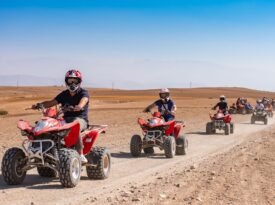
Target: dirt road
[
  {"x": 127, "y": 172},
  {"x": 216, "y": 170}
]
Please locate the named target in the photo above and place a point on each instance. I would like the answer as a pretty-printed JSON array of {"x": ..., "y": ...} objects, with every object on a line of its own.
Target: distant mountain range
[{"x": 28, "y": 80}]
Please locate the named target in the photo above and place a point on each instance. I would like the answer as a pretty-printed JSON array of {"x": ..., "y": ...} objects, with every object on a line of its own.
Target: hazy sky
[{"x": 142, "y": 43}]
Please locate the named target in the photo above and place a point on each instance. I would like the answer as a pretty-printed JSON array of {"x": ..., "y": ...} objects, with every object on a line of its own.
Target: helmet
[
  {"x": 259, "y": 101},
  {"x": 222, "y": 98},
  {"x": 73, "y": 79},
  {"x": 164, "y": 93}
]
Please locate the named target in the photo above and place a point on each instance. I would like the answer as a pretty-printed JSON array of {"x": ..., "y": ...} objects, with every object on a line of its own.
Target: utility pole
[
  {"x": 190, "y": 85},
  {"x": 17, "y": 82},
  {"x": 113, "y": 86}
]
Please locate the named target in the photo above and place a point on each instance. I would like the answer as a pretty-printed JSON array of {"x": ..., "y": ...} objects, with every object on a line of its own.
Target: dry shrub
[{"x": 3, "y": 112}]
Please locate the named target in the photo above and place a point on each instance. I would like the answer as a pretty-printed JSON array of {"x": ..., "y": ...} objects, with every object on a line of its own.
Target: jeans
[{"x": 83, "y": 125}]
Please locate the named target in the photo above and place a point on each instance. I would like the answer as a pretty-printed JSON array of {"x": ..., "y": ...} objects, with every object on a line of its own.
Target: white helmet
[
  {"x": 164, "y": 90},
  {"x": 222, "y": 98},
  {"x": 164, "y": 93}
]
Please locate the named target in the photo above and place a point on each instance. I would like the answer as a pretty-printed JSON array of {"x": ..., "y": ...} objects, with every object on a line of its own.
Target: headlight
[
  {"x": 153, "y": 122},
  {"x": 40, "y": 125}
]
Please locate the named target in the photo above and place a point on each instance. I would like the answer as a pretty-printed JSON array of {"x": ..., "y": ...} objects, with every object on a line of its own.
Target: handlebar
[{"x": 59, "y": 112}]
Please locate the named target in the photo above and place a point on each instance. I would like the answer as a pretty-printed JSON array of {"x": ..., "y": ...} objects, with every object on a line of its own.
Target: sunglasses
[
  {"x": 164, "y": 95},
  {"x": 72, "y": 81}
]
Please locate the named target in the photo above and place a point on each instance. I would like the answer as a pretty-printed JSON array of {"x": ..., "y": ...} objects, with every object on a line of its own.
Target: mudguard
[
  {"x": 24, "y": 125},
  {"x": 72, "y": 137}
]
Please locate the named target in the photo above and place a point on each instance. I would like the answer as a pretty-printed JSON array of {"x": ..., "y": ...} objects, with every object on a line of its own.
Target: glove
[
  {"x": 146, "y": 110},
  {"x": 37, "y": 106},
  {"x": 166, "y": 112}
]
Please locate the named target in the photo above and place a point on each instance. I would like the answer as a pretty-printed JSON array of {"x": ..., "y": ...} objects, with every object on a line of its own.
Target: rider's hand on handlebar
[
  {"x": 146, "y": 110},
  {"x": 68, "y": 109},
  {"x": 77, "y": 108},
  {"x": 166, "y": 112},
  {"x": 37, "y": 106}
]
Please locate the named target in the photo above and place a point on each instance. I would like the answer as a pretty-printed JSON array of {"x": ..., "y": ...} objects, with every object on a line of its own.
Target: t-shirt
[
  {"x": 65, "y": 99},
  {"x": 259, "y": 106},
  {"x": 165, "y": 106},
  {"x": 221, "y": 105}
]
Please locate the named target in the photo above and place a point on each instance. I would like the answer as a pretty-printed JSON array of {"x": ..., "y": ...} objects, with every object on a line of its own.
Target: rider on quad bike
[
  {"x": 273, "y": 103},
  {"x": 221, "y": 120},
  {"x": 260, "y": 113},
  {"x": 166, "y": 106},
  {"x": 222, "y": 105},
  {"x": 77, "y": 100},
  {"x": 259, "y": 105}
]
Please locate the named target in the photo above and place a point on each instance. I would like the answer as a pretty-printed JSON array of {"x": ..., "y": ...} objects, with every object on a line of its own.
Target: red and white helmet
[
  {"x": 164, "y": 93},
  {"x": 73, "y": 74},
  {"x": 73, "y": 79},
  {"x": 164, "y": 90}
]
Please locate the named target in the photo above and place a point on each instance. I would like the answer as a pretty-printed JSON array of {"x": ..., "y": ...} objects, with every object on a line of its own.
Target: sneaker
[{"x": 83, "y": 159}]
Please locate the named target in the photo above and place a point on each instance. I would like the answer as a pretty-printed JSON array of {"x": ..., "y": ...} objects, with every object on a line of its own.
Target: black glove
[
  {"x": 146, "y": 110},
  {"x": 38, "y": 106}
]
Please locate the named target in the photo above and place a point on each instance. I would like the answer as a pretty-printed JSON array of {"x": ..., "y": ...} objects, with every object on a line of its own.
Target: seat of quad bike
[
  {"x": 179, "y": 122},
  {"x": 95, "y": 127}
]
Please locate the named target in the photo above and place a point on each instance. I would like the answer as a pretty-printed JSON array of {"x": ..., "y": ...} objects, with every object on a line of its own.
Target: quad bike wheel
[
  {"x": 227, "y": 129},
  {"x": 231, "y": 128},
  {"x": 182, "y": 144},
  {"x": 149, "y": 150},
  {"x": 209, "y": 129},
  {"x": 101, "y": 158},
  {"x": 252, "y": 120},
  {"x": 169, "y": 146},
  {"x": 136, "y": 145},
  {"x": 69, "y": 168},
  {"x": 270, "y": 114},
  {"x": 13, "y": 161},
  {"x": 232, "y": 111},
  {"x": 46, "y": 172},
  {"x": 265, "y": 121}
]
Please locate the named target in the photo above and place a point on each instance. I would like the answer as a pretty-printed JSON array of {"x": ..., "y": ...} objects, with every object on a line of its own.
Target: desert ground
[{"x": 218, "y": 169}]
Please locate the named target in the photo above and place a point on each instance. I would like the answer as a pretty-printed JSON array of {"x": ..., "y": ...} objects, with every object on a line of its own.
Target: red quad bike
[
  {"x": 161, "y": 134},
  {"x": 50, "y": 148},
  {"x": 221, "y": 122}
]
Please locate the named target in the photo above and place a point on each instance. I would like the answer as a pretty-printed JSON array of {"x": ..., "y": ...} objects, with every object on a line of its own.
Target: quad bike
[
  {"x": 241, "y": 109},
  {"x": 50, "y": 148},
  {"x": 259, "y": 115},
  {"x": 158, "y": 133},
  {"x": 232, "y": 110},
  {"x": 220, "y": 121},
  {"x": 269, "y": 112}
]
